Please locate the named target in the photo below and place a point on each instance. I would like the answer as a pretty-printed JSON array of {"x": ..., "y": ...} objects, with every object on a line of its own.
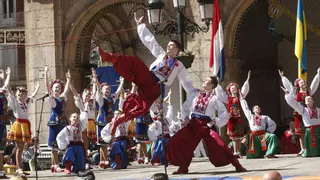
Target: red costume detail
[
  {"x": 235, "y": 123},
  {"x": 181, "y": 146},
  {"x": 313, "y": 136},
  {"x": 133, "y": 69},
  {"x": 202, "y": 102},
  {"x": 263, "y": 141},
  {"x": 289, "y": 143},
  {"x": 299, "y": 126}
]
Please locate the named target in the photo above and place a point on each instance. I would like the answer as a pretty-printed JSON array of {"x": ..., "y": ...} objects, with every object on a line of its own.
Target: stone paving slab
[{"x": 289, "y": 166}]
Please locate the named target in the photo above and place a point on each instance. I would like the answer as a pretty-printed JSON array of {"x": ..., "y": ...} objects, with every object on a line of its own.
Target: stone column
[{"x": 40, "y": 28}]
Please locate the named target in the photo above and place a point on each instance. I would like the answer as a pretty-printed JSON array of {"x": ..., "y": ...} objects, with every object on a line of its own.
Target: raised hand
[
  {"x": 1, "y": 73},
  {"x": 37, "y": 85},
  {"x": 318, "y": 70},
  {"x": 68, "y": 75},
  {"x": 46, "y": 69},
  {"x": 281, "y": 72},
  {"x": 138, "y": 21},
  {"x": 8, "y": 71},
  {"x": 249, "y": 74},
  {"x": 121, "y": 79},
  {"x": 93, "y": 71}
]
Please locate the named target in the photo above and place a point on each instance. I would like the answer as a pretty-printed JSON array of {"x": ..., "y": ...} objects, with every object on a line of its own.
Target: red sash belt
[
  {"x": 313, "y": 136},
  {"x": 26, "y": 121},
  {"x": 263, "y": 141}
]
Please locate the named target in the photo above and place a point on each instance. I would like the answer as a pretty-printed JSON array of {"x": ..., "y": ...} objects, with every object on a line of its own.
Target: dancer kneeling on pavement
[
  {"x": 70, "y": 139},
  {"x": 261, "y": 141},
  {"x": 311, "y": 120},
  {"x": 120, "y": 142},
  {"x": 203, "y": 105}
]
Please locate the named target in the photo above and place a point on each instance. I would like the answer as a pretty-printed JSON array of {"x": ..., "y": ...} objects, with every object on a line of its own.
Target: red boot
[
  {"x": 118, "y": 162},
  {"x": 68, "y": 167}
]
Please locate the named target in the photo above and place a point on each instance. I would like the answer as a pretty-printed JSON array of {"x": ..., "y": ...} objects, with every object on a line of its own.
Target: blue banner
[{"x": 110, "y": 76}]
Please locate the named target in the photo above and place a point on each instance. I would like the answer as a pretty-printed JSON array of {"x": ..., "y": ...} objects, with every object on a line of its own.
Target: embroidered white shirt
[
  {"x": 20, "y": 109},
  {"x": 214, "y": 105},
  {"x": 70, "y": 133},
  {"x": 89, "y": 107},
  {"x": 158, "y": 52},
  {"x": 258, "y": 122},
  {"x": 303, "y": 111},
  {"x": 122, "y": 130}
]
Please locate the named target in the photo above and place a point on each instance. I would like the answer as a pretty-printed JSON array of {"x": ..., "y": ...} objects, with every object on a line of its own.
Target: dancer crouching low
[{"x": 70, "y": 139}]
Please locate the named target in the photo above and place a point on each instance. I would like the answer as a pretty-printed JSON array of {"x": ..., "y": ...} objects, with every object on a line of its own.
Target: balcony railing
[{"x": 12, "y": 20}]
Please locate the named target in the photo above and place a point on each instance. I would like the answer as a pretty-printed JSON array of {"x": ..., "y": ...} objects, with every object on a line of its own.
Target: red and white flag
[{"x": 217, "y": 61}]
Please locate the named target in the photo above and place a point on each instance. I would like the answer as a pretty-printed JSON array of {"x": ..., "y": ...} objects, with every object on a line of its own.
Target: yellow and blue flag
[{"x": 300, "y": 44}]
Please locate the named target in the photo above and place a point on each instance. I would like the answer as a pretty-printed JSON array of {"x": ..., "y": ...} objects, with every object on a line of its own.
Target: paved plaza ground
[{"x": 287, "y": 165}]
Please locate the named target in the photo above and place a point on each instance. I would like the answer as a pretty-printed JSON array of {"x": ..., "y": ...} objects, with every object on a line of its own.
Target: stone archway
[{"x": 249, "y": 46}]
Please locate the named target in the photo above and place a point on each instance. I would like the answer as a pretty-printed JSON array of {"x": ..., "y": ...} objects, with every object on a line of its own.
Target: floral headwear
[
  {"x": 104, "y": 84},
  {"x": 59, "y": 82},
  {"x": 22, "y": 89},
  {"x": 229, "y": 87},
  {"x": 296, "y": 82}
]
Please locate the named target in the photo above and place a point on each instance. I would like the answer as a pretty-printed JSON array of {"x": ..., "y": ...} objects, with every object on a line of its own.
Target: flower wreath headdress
[{"x": 59, "y": 82}]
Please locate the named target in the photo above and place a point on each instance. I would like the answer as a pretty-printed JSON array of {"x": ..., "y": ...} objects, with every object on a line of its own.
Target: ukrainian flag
[{"x": 301, "y": 37}]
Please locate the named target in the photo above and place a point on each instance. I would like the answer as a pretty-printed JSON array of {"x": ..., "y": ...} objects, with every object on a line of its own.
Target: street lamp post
[{"x": 181, "y": 25}]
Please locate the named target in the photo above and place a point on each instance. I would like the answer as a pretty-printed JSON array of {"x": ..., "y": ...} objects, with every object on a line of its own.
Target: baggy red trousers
[
  {"x": 181, "y": 146},
  {"x": 133, "y": 69}
]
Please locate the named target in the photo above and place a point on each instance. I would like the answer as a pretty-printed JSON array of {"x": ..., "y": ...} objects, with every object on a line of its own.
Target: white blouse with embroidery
[
  {"x": 156, "y": 128},
  {"x": 158, "y": 52},
  {"x": 72, "y": 132},
  {"x": 309, "y": 117},
  {"x": 20, "y": 109},
  {"x": 205, "y": 105},
  {"x": 90, "y": 108},
  {"x": 122, "y": 130},
  {"x": 258, "y": 122}
]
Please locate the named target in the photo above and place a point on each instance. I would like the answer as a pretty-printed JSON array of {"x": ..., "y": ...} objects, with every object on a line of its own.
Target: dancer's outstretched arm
[
  {"x": 246, "y": 86},
  {"x": 147, "y": 38},
  {"x": 315, "y": 83},
  {"x": 36, "y": 89},
  {"x": 77, "y": 99},
  {"x": 46, "y": 79},
  {"x": 66, "y": 89}
]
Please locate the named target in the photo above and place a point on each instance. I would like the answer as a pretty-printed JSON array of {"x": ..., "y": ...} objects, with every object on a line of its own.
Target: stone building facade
[{"x": 67, "y": 30}]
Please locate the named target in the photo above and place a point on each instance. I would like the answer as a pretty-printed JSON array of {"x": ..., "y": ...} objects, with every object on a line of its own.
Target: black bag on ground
[{"x": 86, "y": 175}]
